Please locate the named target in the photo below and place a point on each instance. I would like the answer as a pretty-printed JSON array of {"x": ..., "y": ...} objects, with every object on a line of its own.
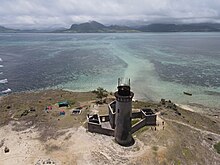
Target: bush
[
  {"x": 100, "y": 93},
  {"x": 217, "y": 147}
]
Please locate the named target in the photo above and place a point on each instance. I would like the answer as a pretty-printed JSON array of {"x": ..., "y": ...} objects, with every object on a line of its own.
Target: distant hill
[
  {"x": 96, "y": 27},
  {"x": 200, "y": 27},
  {"x": 7, "y": 30}
]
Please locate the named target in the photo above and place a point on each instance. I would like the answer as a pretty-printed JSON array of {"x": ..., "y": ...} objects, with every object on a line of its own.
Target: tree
[{"x": 100, "y": 93}]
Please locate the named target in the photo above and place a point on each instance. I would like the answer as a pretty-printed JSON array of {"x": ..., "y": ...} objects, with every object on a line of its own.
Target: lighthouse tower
[{"x": 123, "y": 113}]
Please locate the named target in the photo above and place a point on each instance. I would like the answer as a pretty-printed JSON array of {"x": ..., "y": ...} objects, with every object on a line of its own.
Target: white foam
[
  {"x": 3, "y": 81},
  {"x": 1, "y": 59},
  {"x": 1, "y": 72},
  {"x": 1, "y": 66},
  {"x": 6, "y": 91}
]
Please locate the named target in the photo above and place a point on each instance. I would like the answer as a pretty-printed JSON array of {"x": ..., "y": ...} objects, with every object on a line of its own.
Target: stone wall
[
  {"x": 96, "y": 128},
  {"x": 138, "y": 125},
  {"x": 148, "y": 120},
  {"x": 151, "y": 120},
  {"x": 147, "y": 116},
  {"x": 136, "y": 115}
]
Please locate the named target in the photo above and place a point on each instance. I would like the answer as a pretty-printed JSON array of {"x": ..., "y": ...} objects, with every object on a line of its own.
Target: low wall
[
  {"x": 136, "y": 115},
  {"x": 96, "y": 128},
  {"x": 138, "y": 125},
  {"x": 148, "y": 120}
]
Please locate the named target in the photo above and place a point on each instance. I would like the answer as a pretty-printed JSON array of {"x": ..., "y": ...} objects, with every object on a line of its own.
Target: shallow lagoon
[{"x": 160, "y": 65}]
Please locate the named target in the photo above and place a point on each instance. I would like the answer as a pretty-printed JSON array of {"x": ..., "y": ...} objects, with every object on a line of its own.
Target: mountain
[
  {"x": 199, "y": 27},
  {"x": 88, "y": 27},
  {"x": 7, "y": 30},
  {"x": 96, "y": 27}
]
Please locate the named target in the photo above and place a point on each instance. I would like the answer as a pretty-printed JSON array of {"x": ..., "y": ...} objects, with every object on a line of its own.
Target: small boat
[
  {"x": 6, "y": 91},
  {"x": 186, "y": 93}
]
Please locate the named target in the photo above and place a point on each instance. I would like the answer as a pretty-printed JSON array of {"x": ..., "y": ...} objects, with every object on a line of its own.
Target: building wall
[
  {"x": 151, "y": 119},
  {"x": 104, "y": 118},
  {"x": 96, "y": 128},
  {"x": 148, "y": 120},
  {"x": 136, "y": 115},
  {"x": 138, "y": 125}
]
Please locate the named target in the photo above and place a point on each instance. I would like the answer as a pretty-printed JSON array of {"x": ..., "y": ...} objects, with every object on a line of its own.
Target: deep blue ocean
[{"x": 160, "y": 65}]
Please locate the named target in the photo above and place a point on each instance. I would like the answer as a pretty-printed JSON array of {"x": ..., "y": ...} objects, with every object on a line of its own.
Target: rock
[
  {"x": 6, "y": 149},
  {"x": 25, "y": 113},
  {"x": 163, "y": 101},
  {"x": 32, "y": 109},
  {"x": 210, "y": 138}
]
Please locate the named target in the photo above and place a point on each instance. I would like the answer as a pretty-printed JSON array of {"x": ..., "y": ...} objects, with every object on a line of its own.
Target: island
[{"x": 50, "y": 127}]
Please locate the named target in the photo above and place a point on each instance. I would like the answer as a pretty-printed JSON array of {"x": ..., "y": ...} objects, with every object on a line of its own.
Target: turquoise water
[{"x": 160, "y": 65}]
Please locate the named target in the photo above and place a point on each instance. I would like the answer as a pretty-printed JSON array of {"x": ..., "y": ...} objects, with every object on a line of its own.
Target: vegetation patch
[
  {"x": 217, "y": 147},
  {"x": 134, "y": 121},
  {"x": 155, "y": 148},
  {"x": 177, "y": 162},
  {"x": 100, "y": 93},
  {"x": 186, "y": 152},
  {"x": 2, "y": 142},
  {"x": 142, "y": 104},
  {"x": 143, "y": 129},
  {"x": 71, "y": 102},
  {"x": 51, "y": 148}
]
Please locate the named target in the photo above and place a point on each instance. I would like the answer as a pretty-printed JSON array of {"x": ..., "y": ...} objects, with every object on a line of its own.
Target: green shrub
[{"x": 217, "y": 147}]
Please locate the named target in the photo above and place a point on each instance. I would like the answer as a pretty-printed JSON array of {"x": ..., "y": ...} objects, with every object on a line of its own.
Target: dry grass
[
  {"x": 142, "y": 104},
  {"x": 13, "y": 106},
  {"x": 194, "y": 119}
]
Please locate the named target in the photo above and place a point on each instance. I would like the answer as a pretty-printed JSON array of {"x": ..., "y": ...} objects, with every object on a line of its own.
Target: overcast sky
[{"x": 63, "y": 13}]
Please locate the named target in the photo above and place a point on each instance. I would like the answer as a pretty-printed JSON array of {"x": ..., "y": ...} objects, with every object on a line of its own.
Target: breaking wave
[{"x": 3, "y": 81}]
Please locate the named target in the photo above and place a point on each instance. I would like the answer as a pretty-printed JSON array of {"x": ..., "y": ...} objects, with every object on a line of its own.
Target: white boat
[
  {"x": 1, "y": 59},
  {"x": 1, "y": 66},
  {"x": 6, "y": 91}
]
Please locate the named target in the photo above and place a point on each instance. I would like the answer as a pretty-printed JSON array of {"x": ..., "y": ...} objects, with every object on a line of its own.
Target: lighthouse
[
  {"x": 123, "y": 113},
  {"x": 118, "y": 122}
]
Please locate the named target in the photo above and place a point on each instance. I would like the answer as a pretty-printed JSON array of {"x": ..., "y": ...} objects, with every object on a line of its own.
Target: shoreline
[{"x": 188, "y": 106}]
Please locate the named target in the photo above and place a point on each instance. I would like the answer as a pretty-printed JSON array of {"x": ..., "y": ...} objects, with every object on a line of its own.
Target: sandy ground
[
  {"x": 186, "y": 107},
  {"x": 75, "y": 147}
]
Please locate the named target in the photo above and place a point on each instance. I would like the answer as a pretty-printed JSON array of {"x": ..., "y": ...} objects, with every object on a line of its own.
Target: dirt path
[{"x": 194, "y": 128}]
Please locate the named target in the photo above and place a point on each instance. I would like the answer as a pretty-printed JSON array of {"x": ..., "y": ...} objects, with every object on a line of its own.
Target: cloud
[{"x": 44, "y": 13}]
